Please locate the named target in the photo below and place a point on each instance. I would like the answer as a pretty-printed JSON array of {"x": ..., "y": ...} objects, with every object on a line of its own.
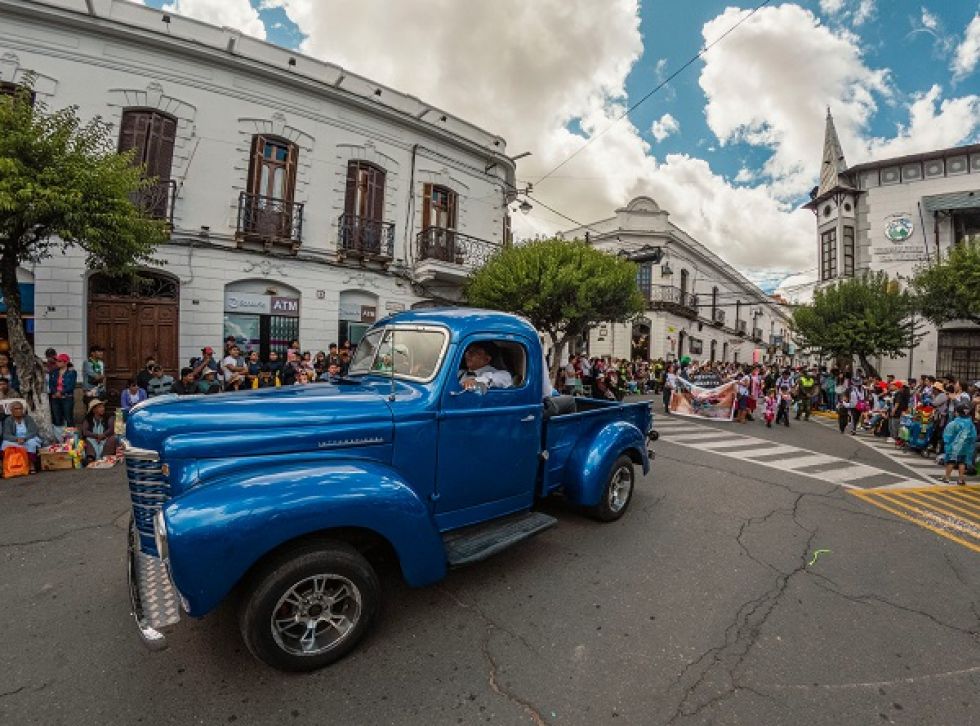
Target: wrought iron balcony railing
[
  {"x": 360, "y": 236},
  {"x": 669, "y": 296},
  {"x": 448, "y": 245},
  {"x": 718, "y": 316},
  {"x": 269, "y": 220},
  {"x": 157, "y": 200}
]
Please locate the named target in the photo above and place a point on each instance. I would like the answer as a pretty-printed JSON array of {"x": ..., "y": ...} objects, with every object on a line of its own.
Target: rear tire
[
  {"x": 618, "y": 492},
  {"x": 309, "y": 607}
]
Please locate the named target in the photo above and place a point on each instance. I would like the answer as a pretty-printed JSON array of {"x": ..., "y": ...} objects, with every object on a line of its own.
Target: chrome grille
[{"x": 148, "y": 490}]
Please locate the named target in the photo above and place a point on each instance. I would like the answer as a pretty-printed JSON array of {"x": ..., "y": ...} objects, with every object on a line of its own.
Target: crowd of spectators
[{"x": 920, "y": 415}]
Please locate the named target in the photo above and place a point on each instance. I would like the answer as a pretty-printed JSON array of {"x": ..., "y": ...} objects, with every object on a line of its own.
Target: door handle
[{"x": 529, "y": 417}]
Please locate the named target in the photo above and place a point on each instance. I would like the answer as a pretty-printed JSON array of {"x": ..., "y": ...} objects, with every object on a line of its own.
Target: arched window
[{"x": 362, "y": 226}]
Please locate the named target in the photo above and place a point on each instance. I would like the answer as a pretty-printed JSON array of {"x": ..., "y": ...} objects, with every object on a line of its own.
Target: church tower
[{"x": 834, "y": 202}]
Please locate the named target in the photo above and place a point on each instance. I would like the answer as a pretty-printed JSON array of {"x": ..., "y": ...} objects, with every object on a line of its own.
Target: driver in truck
[{"x": 477, "y": 359}]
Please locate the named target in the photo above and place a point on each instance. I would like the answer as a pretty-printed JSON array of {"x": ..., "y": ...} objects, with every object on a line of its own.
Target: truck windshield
[{"x": 414, "y": 354}]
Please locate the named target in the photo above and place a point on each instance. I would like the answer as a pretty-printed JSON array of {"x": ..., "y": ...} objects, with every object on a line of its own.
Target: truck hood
[{"x": 266, "y": 421}]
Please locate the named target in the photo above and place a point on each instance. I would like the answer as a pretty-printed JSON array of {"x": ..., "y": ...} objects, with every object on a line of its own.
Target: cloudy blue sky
[{"x": 730, "y": 147}]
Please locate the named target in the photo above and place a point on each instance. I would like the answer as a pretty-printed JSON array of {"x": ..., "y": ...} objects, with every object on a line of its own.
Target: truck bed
[{"x": 565, "y": 432}]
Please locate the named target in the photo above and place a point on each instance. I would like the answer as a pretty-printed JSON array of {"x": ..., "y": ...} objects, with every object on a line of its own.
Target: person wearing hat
[
  {"x": 204, "y": 362},
  {"x": 209, "y": 382},
  {"x": 97, "y": 432},
  {"x": 61, "y": 392},
  {"x": 960, "y": 442}
]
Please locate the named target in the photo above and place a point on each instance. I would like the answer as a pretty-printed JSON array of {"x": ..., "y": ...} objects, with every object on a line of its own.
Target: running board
[{"x": 472, "y": 544}]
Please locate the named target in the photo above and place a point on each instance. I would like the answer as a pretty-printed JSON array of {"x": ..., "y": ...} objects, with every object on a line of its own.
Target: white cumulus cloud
[
  {"x": 664, "y": 127},
  {"x": 238, "y": 14},
  {"x": 968, "y": 51}
]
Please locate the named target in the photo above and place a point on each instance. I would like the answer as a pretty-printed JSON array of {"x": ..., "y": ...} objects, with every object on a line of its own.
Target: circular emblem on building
[{"x": 898, "y": 227}]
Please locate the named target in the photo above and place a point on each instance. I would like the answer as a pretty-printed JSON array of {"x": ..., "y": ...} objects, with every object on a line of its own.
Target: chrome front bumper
[{"x": 153, "y": 599}]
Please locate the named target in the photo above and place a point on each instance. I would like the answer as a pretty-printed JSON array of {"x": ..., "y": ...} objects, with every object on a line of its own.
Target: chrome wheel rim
[
  {"x": 316, "y": 614},
  {"x": 620, "y": 488}
]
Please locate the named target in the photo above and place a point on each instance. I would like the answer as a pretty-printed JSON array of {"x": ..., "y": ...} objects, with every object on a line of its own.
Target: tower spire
[{"x": 832, "y": 164}]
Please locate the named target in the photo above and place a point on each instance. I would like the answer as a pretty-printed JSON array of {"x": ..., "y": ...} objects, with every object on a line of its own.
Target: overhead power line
[{"x": 650, "y": 93}]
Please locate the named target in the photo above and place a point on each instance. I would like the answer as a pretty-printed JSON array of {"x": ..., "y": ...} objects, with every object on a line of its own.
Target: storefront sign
[
  {"x": 285, "y": 306},
  {"x": 26, "y": 298},
  {"x": 247, "y": 302},
  {"x": 369, "y": 313},
  {"x": 394, "y": 307}
]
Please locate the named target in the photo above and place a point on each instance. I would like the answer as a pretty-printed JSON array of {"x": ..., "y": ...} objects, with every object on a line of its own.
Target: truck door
[{"x": 489, "y": 442}]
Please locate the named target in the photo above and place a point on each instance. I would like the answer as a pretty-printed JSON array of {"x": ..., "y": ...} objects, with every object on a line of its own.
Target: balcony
[
  {"x": 157, "y": 200},
  {"x": 718, "y": 316},
  {"x": 672, "y": 299},
  {"x": 448, "y": 255},
  {"x": 757, "y": 334},
  {"x": 270, "y": 221},
  {"x": 741, "y": 326},
  {"x": 365, "y": 238}
]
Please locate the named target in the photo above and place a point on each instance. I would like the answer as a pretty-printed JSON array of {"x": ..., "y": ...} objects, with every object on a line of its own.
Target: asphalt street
[{"x": 734, "y": 591}]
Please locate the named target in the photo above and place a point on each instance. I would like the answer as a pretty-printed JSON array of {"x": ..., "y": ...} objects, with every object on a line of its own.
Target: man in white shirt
[{"x": 477, "y": 368}]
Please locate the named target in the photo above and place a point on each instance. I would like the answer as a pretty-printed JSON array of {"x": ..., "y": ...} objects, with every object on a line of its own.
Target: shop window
[
  {"x": 261, "y": 321},
  {"x": 966, "y": 225}
]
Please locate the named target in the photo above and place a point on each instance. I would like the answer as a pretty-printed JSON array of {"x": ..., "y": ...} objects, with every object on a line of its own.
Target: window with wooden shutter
[
  {"x": 438, "y": 236},
  {"x": 272, "y": 171},
  {"x": 365, "y": 194},
  {"x": 151, "y": 135}
]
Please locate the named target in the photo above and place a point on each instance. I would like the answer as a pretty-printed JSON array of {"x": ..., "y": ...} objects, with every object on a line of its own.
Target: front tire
[
  {"x": 618, "y": 492},
  {"x": 309, "y": 607}
]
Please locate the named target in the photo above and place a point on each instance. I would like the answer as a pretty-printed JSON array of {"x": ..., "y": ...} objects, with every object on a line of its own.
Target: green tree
[
  {"x": 950, "y": 289},
  {"x": 562, "y": 287},
  {"x": 62, "y": 185},
  {"x": 863, "y": 316}
]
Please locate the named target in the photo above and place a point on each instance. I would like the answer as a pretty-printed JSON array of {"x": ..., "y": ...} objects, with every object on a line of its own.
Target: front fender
[
  {"x": 589, "y": 467},
  {"x": 216, "y": 532}
]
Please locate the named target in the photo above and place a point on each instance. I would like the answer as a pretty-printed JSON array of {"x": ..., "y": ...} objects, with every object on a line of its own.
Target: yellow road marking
[{"x": 952, "y": 512}]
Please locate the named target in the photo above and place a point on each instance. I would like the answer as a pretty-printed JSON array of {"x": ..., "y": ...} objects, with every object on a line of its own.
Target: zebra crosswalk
[
  {"x": 923, "y": 468},
  {"x": 784, "y": 457}
]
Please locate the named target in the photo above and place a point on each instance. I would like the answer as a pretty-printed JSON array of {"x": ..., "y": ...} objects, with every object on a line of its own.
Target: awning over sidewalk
[{"x": 951, "y": 201}]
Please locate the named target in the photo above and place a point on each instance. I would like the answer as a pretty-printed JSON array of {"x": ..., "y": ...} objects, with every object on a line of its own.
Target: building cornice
[{"x": 36, "y": 13}]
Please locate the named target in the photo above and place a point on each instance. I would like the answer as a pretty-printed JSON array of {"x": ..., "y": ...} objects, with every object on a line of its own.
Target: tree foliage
[
  {"x": 950, "y": 289},
  {"x": 63, "y": 185},
  {"x": 562, "y": 287},
  {"x": 862, "y": 316}
]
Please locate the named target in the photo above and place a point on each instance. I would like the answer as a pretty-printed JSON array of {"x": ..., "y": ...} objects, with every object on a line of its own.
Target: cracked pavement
[{"x": 699, "y": 607}]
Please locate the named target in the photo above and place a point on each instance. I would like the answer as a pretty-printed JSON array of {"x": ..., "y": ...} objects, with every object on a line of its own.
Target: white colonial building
[
  {"x": 697, "y": 304},
  {"x": 304, "y": 201},
  {"x": 897, "y": 215}
]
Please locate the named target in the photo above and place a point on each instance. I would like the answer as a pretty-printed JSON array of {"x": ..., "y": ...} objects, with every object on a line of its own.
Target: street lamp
[{"x": 525, "y": 207}]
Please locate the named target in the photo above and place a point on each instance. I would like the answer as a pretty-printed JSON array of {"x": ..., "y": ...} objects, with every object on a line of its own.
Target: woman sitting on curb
[
  {"x": 97, "y": 432},
  {"x": 19, "y": 429}
]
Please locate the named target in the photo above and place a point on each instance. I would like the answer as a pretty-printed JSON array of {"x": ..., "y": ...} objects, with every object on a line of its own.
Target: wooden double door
[{"x": 132, "y": 327}]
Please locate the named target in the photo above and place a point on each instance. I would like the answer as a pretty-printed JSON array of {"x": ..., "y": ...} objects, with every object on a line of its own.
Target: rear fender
[
  {"x": 589, "y": 466},
  {"x": 218, "y": 531}
]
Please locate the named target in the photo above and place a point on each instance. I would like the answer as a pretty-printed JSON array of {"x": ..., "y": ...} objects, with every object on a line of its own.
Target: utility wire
[{"x": 663, "y": 83}]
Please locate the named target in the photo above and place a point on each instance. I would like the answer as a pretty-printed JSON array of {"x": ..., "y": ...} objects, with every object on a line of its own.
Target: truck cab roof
[{"x": 464, "y": 321}]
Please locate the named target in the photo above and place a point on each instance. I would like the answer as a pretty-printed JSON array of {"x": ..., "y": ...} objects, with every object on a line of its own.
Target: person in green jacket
[{"x": 808, "y": 389}]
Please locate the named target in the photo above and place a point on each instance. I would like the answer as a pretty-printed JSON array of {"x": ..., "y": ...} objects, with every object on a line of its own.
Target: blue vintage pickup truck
[{"x": 284, "y": 497}]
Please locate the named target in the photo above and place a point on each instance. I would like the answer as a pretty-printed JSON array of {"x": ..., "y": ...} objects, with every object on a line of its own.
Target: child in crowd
[
  {"x": 785, "y": 403},
  {"x": 771, "y": 405}
]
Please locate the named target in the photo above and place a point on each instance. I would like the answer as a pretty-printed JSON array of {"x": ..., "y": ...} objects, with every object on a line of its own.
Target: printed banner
[{"x": 714, "y": 403}]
